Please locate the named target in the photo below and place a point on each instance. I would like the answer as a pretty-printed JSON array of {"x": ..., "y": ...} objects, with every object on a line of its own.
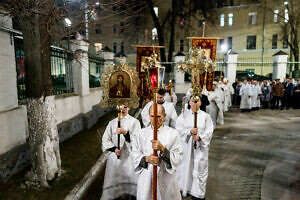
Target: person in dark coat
[
  {"x": 296, "y": 96},
  {"x": 288, "y": 94}
]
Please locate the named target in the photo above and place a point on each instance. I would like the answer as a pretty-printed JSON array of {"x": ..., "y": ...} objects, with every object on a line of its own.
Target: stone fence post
[
  {"x": 80, "y": 65},
  {"x": 279, "y": 65},
  {"x": 231, "y": 60}
]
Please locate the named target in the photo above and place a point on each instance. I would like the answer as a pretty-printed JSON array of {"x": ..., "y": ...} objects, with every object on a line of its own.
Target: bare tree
[
  {"x": 290, "y": 24},
  {"x": 179, "y": 10}
]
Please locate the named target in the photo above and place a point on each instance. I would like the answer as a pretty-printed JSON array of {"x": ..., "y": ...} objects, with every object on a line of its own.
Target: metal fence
[
  {"x": 96, "y": 67},
  {"x": 61, "y": 70}
]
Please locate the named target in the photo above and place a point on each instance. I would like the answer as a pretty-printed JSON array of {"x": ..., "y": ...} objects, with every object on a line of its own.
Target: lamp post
[{"x": 155, "y": 78}]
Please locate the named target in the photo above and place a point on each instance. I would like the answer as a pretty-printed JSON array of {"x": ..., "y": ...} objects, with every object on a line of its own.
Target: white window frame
[
  {"x": 276, "y": 14},
  {"x": 253, "y": 16},
  {"x": 230, "y": 19},
  {"x": 222, "y": 20},
  {"x": 286, "y": 15}
]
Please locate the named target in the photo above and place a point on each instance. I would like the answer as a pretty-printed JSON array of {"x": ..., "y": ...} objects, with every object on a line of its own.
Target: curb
[{"x": 80, "y": 189}]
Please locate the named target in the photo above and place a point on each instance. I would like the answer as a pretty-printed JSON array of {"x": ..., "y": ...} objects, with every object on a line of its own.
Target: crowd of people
[
  {"x": 182, "y": 158},
  {"x": 253, "y": 95}
]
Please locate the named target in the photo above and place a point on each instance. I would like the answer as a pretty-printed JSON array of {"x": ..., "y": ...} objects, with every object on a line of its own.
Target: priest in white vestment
[
  {"x": 171, "y": 117},
  {"x": 169, "y": 157},
  {"x": 214, "y": 109},
  {"x": 120, "y": 178},
  {"x": 168, "y": 98},
  {"x": 193, "y": 171},
  {"x": 220, "y": 90},
  {"x": 228, "y": 91},
  {"x": 255, "y": 99},
  {"x": 246, "y": 94}
]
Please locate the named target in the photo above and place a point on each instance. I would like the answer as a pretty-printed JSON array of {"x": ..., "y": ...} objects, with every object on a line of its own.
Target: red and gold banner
[{"x": 143, "y": 51}]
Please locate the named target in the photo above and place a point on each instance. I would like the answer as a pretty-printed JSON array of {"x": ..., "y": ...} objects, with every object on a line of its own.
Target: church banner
[{"x": 142, "y": 52}]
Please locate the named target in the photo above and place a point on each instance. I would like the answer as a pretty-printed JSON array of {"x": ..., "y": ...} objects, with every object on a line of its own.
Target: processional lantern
[
  {"x": 143, "y": 52},
  {"x": 155, "y": 77}
]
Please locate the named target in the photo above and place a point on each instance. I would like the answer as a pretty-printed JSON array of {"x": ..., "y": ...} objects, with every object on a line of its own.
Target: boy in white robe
[
  {"x": 214, "y": 109},
  {"x": 228, "y": 91},
  {"x": 193, "y": 171},
  {"x": 255, "y": 99},
  {"x": 169, "y": 157},
  {"x": 171, "y": 115},
  {"x": 120, "y": 178},
  {"x": 246, "y": 94}
]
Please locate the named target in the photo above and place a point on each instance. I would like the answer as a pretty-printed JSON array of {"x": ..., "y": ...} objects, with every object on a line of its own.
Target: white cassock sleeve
[
  {"x": 206, "y": 135},
  {"x": 176, "y": 153},
  {"x": 145, "y": 114},
  {"x": 107, "y": 142},
  {"x": 137, "y": 152},
  {"x": 134, "y": 130}
]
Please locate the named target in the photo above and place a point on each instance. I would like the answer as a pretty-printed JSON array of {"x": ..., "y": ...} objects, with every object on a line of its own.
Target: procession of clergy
[{"x": 182, "y": 149}]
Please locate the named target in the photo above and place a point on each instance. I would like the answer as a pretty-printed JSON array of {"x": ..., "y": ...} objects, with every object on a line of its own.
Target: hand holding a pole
[{"x": 121, "y": 131}]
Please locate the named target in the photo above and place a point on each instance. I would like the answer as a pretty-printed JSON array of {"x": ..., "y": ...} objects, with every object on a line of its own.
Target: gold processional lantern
[{"x": 155, "y": 77}]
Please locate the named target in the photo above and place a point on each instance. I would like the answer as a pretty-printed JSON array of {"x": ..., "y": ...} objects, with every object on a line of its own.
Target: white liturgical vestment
[
  {"x": 255, "y": 99},
  {"x": 170, "y": 119},
  {"x": 246, "y": 94},
  {"x": 214, "y": 109},
  {"x": 119, "y": 177},
  {"x": 167, "y": 184},
  {"x": 193, "y": 171},
  {"x": 167, "y": 97}
]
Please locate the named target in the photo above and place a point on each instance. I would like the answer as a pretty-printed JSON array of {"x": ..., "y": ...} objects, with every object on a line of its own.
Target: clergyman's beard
[{"x": 161, "y": 102}]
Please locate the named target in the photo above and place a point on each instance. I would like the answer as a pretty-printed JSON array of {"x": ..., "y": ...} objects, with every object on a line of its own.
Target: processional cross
[{"x": 198, "y": 65}]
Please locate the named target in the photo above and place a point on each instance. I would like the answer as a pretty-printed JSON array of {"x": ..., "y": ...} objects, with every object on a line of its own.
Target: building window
[
  {"x": 251, "y": 42},
  {"x": 114, "y": 28},
  {"x": 222, "y": 20},
  {"x": 274, "y": 41},
  {"x": 154, "y": 34},
  {"x": 115, "y": 47},
  {"x": 122, "y": 47},
  {"x": 97, "y": 68},
  {"x": 229, "y": 42},
  {"x": 276, "y": 13},
  {"x": 181, "y": 45},
  {"x": 231, "y": 2},
  {"x": 156, "y": 11},
  {"x": 230, "y": 19},
  {"x": 114, "y": 8},
  {"x": 285, "y": 43},
  {"x": 121, "y": 27},
  {"x": 221, "y": 43},
  {"x": 286, "y": 15},
  {"x": 252, "y": 18},
  {"x": 98, "y": 29}
]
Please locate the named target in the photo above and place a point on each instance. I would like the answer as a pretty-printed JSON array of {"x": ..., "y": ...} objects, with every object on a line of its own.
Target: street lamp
[
  {"x": 155, "y": 78},
  {"x": 68, "y": 22}
]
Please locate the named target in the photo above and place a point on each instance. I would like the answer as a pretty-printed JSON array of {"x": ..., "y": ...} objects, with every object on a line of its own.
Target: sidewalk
[{"x": 78, "y": 155}]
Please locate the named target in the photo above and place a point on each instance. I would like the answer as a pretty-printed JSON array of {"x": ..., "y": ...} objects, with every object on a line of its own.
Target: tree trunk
[
  {"x": 172, "y": 31},
  {"x": 160, "y": 32},
  {"x": 43, "y": 135}
]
